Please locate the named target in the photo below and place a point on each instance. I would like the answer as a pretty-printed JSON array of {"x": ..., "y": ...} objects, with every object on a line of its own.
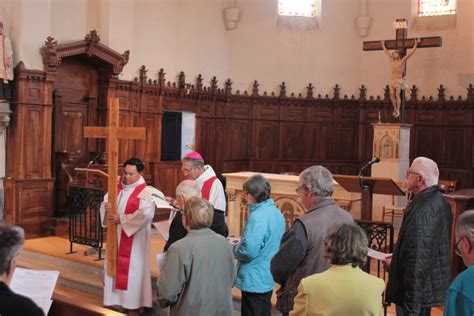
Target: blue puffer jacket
[{"x": 260, "y": 241}]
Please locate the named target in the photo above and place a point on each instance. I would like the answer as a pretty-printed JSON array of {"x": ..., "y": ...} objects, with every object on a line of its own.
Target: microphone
[
  {"x": 361, "y": 172},
  {"x": 374, "y": 160},
  {"x": 95, "y": 159}
]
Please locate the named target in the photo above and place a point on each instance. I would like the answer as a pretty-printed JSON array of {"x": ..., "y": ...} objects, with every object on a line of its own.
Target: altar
[{"x": 283, "y": 192}]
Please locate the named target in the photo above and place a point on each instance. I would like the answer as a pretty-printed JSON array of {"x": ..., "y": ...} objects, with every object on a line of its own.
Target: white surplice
[{"x": 138, "y": 224}]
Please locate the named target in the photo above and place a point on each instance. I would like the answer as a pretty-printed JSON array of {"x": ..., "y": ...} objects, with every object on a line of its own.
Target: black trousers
[
  {"x": 256, "y": 304},
  {"x": 424, "y": 311}
]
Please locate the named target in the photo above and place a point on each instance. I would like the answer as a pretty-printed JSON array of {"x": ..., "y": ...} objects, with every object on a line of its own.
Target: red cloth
[
  {"x": 206, "y": 188},
  {"x": 125, "y": 247}
]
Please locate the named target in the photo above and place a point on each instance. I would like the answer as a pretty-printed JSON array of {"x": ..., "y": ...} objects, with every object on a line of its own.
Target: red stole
[
  {"x": 206, "y": 188},
  {"x": 125, "y": 247}
]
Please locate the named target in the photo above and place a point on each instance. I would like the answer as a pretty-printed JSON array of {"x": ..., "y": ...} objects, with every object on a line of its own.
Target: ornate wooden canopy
[{"x": 109, "y": 60}]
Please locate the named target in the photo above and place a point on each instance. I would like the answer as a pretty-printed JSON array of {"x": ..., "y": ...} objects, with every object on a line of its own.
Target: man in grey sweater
[{"x": 302, "y": 247}]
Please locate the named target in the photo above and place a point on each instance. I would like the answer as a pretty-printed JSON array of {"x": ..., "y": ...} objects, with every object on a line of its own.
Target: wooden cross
[
  {"x": 402, "y": 42},
  {"x": 113, "y": 133}
]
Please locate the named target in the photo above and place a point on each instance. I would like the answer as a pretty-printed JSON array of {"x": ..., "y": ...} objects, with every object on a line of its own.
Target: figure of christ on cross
[
  {"x": 398, "y": 81},
  {"x": 398, "y": 60}
]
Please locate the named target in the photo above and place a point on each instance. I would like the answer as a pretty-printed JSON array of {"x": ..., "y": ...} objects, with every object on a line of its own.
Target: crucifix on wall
[
  {"x": 113, "y": 133},
  {"x": 398, "y": 59}
]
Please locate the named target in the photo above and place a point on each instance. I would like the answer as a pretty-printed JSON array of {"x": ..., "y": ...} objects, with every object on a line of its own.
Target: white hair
[
  {"x": 188, "y": 188},
  {"x": 428, "y": 169}
]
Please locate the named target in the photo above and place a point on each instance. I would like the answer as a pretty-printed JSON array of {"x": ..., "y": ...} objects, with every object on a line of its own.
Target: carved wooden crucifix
[
  {"x": 401, "y": 43},
  {"x": 113, "y": 133}
]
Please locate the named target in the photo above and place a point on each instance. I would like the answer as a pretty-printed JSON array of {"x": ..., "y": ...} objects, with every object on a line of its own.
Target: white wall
[
  {"x": 262, "y": 50},
  {"x": 180, "y": 35},
  {"x": 189, "y": 35}
]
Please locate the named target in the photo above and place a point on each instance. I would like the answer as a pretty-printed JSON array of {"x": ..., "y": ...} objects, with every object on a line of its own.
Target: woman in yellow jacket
[{"x": 343, "y": 289}]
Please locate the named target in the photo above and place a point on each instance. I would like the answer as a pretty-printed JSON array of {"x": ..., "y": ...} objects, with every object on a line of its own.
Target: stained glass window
[
  {"x": 307, "y": 8},
  {"x": 436, "y": 7}
]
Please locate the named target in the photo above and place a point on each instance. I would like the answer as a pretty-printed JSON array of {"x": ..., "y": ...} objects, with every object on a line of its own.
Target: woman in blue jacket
[{"x": 259, "y": 243}]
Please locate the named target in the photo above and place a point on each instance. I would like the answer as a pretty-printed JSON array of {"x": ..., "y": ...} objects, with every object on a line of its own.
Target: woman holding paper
[
  {"x": 259, "y": 243},
  {"x": 343, "y": 289}
]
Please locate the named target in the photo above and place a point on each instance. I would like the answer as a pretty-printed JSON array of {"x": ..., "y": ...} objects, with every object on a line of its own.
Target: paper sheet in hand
[
  {"x": 155, "y": 196},
  {"x": 163, "y": 228},
  {"x": 35, "y": 284},
  {"x": 378, "y": 255}
]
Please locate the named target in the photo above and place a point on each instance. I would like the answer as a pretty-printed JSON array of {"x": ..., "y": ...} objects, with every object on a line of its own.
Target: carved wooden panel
[
  {"x": 150, "y": 149},
  {"x": 346, "y": 142},
  {"x": 266, "y": 112},
  {"x": 166, "y": 175},
  {"x": 321, "y": 114},
  {"x": 205, "y": 136},
  {"x": 236, "y": 110},
  {"x": 34, "y": 137},
  {"x": 293, "y": 112},
  {"x": 219, "y": 109},
  {"x": 455, "y": 138},
  {"x": 28, "y": 203},
  {"x": 427, "y": 142},
  {"x": 266, "y": 140},
  {"x": 238, "y": 136},
  {"x": 322, "y": 146},
  {"x": 292, "y": 140}
]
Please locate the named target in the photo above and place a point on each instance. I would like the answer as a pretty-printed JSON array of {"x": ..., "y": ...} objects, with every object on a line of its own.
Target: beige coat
[{"x": 198, "y": 275}]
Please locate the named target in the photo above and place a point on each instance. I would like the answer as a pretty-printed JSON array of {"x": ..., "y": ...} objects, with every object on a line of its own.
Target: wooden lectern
[{"x": 374, "y": 185}]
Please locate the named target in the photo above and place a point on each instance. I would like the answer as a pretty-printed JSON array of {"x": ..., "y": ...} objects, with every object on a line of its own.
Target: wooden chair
[
  {"x": 393, "y": 210},
  {"x": 447, "y": 186}
]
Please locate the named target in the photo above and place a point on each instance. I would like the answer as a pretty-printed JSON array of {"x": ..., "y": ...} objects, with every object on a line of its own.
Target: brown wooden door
[{"x": 75, "y": 105}]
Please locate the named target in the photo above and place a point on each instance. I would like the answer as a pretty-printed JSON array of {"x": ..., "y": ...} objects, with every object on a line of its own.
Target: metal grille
[
  {"x": 84, "y": 218},
  {"x": 380, "y": 236}
]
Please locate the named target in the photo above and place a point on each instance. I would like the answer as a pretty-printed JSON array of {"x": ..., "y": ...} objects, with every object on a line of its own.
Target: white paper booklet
[
  {"x": 378, "y": 255},
  {"x": 155, "y": 196},
  {"x": 163, "y": 228},
  {"x": 35, "y": 284}
]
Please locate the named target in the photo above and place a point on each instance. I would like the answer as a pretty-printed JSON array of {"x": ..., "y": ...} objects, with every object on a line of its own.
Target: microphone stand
[
  {"x": 94, "y": 160},
  {"x": 362, "y": 185}
]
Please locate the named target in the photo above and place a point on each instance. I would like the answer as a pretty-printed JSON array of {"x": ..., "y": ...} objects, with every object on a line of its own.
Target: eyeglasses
[
  {"x": 300, "y": 188},
  {"x": 187, "y": 170},
  {"x": 456, "y": 249},
  {"x": 412, "y": 172}
]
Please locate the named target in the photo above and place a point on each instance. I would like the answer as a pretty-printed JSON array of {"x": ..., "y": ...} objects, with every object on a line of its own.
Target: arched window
[
  {"x": 303, "y": 8},
  {"x": 436, "y": 7}
]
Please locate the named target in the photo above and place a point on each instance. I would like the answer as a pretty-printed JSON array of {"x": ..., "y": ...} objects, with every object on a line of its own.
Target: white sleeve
[
  {"x": 131, "y": 223},
  {"x": 217, "y": 196},
  {"x": 103, "y": 212}
]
